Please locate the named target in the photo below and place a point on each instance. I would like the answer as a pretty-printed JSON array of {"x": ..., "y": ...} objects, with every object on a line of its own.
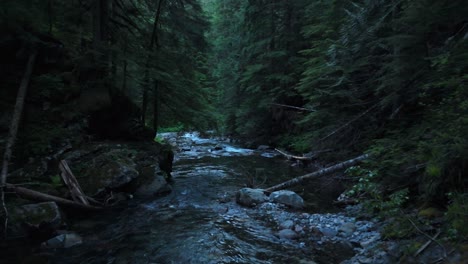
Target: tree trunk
[
  {"x": 124, "y": 69},
  {"x": 51, "y": 14},
  {"x": 155, "y": 106},
  {"x": 97, "y": 24},
  {"x": 153, "y": 40},
  {"x": 124, "y": 82},
  {"x": 14, "y": 129},
  {"x": 144, "y": 103},
  {"x": 317, "y": 174}
]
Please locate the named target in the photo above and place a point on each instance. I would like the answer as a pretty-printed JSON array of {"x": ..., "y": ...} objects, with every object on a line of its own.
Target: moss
[
  {"x": 430, "y": 212},
  {"x": 398, "y": 228},
  {"x": 34, "y": 214}
]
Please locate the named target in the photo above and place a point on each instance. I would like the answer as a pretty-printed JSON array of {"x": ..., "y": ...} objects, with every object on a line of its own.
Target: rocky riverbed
[{"x": 205, "y": 218}]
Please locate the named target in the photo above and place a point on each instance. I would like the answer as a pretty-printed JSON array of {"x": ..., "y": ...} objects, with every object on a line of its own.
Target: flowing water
[{"x": 199, "y": 222}]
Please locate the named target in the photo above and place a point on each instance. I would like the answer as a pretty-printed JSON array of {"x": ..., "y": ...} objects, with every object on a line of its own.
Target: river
[{"x": 200, "y": 222}]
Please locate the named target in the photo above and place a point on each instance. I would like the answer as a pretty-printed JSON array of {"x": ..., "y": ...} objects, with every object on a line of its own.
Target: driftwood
[
  {"x": 14, "y": 130},
  {"x": 290, "y": 156},
  {"x": 304, "y": 157},
  {"x": 317, "y": 174},
  {"x": 43, "y": 197},
  {"x": 72, "y": 184},
  {"x": 421, "y": 249}
]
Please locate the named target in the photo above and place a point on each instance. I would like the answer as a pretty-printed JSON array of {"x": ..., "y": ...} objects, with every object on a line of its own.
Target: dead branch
[
  {"x": 72, "y": 184},
  {"x": 317, "y": 174},
  {"x": 349, "y": 122},
  {"x": 290, "y": 156},
  {"x": 421, "y": 249},
  {"x": 428, "y": 236}
]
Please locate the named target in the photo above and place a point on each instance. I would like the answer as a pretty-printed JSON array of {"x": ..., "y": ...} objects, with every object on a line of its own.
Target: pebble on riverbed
[{"x": 318, "y": 230}]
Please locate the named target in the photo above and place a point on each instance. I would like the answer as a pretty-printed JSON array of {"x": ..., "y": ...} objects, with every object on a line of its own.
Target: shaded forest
[
  {"x": 388, "y": 78},
  {"x": 325, "y": 79}
]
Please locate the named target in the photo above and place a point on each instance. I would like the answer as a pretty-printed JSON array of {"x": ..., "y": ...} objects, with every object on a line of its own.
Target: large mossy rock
[
  {"x": 131, "y": 168},
  {"x": 40, "y": 219},
  {"x": 108, "y": 171}
]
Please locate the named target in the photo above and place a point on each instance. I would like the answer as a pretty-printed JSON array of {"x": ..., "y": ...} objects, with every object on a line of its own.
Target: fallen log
[
  {"x": 317, "y": 174},
  {"x": 307, "y": 156},
  {"x": 289, "y": 156},
  {"x": 43, "y": 197}
]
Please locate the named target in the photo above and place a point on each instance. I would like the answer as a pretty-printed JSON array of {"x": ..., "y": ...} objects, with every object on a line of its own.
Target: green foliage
[
  {"x": 369, "y": 191},
  {"x": 399, "y": 228},
  {"x": 177, "y": 128},
  {"x": 56, "y": 181},
  {"x": 457, "y": 213},
  {"x": 159, "y": 139}
]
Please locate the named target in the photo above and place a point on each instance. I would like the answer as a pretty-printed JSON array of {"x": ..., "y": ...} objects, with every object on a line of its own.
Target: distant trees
[{"x": 258, "y": 62}]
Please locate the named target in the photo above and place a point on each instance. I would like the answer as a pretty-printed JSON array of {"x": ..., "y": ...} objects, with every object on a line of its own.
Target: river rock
[
  {"x": 347, "y": 229},
  {"x": 287, "y": 234},
  {"x": 288, "y": 224},
  {"x": 250, "y": 197},
  {"x": 288, "y": 198},
  {"x": 63, "y": 241},
  {"x": 329, "y": 232}
]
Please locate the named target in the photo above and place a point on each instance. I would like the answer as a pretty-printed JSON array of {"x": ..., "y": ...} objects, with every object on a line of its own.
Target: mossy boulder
[
  {"x": 127, "y": 168},
  {"x": 32, "y": 219},
  {"x": 107, "y": 171}
]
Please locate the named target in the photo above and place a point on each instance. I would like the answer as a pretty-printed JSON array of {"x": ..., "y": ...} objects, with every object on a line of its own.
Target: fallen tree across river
[{"x": 317, "y": 174}]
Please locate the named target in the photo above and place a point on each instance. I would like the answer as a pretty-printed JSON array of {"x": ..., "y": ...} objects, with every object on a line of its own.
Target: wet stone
[
  {"x": 288, "y": 224},
  {"x": 347, "y": 229},
  {"x": 287, "y": 234},
  {"x": 288, "y": 198},
  {"x": 250, "y": 197}
]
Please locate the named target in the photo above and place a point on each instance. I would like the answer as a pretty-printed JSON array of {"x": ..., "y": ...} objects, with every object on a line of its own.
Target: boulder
[
  {"x": 101, "y": 168},
  {"x": 158, "y": 186},
  {"x": 111, "y": 170},
  {"x": 37, "y": 220},
  {"x": 250, "y": 197},
  {"x": 288, "y": 198}
]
